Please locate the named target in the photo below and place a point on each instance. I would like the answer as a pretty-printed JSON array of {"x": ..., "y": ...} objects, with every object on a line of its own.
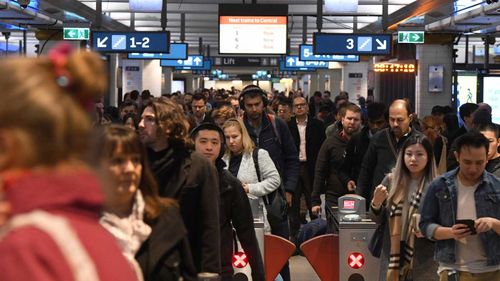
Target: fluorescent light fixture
[
  {"x": 340, "y": 6},
  {"x": 145, "y": 6}
]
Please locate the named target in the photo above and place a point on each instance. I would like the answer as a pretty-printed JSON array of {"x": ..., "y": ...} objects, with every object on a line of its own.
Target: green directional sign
[
  {"x": 76, "y": 33},
  {"x": 412, "y": 37}
]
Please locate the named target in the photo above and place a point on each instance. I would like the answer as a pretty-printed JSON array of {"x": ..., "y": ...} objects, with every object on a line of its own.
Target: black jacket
[
  {"x": 191, "y": 179},
  {"x": 166, "y": 255},
  {"x": 493, "y": 167},
  {"x": 235, "y": 211},
  {"x": 330, "y": 160},
  {"x": 315, "y": 135},
  {"x": 354, "y": 153},
  {"x": 379, "y": 159},
  {"x": 280, "y": 147}
]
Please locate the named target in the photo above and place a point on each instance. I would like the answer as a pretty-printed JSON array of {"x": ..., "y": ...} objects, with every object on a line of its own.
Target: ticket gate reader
[
  {"x": 355, "y": 231},
  {"x": 242, "y": 269}
]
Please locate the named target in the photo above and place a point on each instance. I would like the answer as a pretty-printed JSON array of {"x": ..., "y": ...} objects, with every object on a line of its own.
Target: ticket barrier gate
[
  {"x": 345, "y": 256},
  {"x": 355, "y": 231},
  {"x": 275, "y": 250},
  {"x": 242, "y": 269}
]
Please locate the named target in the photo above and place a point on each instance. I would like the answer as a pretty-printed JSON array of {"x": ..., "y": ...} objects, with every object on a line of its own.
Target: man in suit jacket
[{"x": 308, "y": 134}]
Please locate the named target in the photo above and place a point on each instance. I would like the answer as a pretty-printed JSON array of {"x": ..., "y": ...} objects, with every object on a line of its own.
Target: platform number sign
[
  {"x": 129, "y": 42},
  {"x": 356, "y": 260},
  {"x": 351, "y": 44}
]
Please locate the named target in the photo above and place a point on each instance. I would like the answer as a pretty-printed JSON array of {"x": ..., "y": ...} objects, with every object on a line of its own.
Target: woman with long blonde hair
[{"x": 241, "y": 158}]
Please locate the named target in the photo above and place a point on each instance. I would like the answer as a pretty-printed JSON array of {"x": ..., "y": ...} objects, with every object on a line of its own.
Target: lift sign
[{"x": 131, "y": 42}]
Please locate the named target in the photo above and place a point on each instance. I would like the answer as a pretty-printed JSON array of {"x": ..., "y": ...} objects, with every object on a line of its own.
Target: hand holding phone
[{"x": 469, "y": 223}]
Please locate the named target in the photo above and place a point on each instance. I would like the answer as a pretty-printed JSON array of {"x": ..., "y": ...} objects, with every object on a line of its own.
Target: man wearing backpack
[{"x": 272, "y": 134}]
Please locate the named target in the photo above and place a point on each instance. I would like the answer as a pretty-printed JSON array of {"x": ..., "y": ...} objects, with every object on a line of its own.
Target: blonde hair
[
  {"x": 248, "y": 145},
  {"x": 226, "y": 112},
  {"x": 48, "y": 120}
]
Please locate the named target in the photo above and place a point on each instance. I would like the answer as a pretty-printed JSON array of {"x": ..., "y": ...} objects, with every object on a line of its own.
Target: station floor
[{"x": 301, "y": 270}]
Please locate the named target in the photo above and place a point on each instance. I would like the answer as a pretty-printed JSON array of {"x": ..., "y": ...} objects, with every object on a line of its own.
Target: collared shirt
[{"x": 302, "y": 132}]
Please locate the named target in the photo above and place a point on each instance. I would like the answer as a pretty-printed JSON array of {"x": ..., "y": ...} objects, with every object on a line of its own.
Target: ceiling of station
[{"x": 473, "y": 17}]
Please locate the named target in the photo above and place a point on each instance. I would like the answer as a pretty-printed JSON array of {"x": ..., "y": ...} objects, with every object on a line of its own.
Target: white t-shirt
[{"x": 470, "y": 253}]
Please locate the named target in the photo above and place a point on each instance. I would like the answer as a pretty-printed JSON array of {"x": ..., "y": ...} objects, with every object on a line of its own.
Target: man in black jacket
[
  {"x": 186, "y": 176},
  {"x": 235, "y": 210},
  {"x": 272, "y": 134},
  {"x": 358, "y": 144},
  {"x": 308, "y": 134},
  {"x": 384, "y": 147},
  {"x": 330, "y": 160}
]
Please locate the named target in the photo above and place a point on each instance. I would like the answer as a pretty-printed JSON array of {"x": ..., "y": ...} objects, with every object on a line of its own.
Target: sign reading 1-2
[
  {"x": 351, "y": 44},
  {"x": 125, "y": 42}
]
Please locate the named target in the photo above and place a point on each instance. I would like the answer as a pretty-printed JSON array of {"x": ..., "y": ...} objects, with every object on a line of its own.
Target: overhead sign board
[
  {"x": 131, "y": 42},
  {"x": 177, "y": 51},
  {"x": 246, "y": 61},
  {"x": 415, "y": 37},
  {"x": 206, "y": 65},
  {"x": 284, "y": 67},
  {"x": 191, "y": 61},
  {"x": 351, "y": 44},
  {"x": 294, "y": 62},
  {"x": 307, "y": 54},
  {"x": 76, "y": 33}
]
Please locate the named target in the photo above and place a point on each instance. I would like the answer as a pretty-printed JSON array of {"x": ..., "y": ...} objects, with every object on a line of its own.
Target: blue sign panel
[
  {"x": 283, "y": 67},
  {"x": 177, "y": 51},
  {"x": 207, "y": 65},
  {"x": 294, "y": 62},
  {"x": 130, "y": 42},
  {"x": 351, "y": 44},
  {"x": 307, "y": 54},
  {"x": 191, "y": 61}
]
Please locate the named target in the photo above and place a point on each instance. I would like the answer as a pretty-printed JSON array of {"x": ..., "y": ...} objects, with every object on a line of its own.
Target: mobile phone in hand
[{"x": 470, "y": 224}]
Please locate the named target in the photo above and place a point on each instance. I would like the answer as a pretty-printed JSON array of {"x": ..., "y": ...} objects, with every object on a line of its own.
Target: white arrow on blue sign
[
  {"x": 293, "y": 61},
  {"x": 190, "y": 61}
]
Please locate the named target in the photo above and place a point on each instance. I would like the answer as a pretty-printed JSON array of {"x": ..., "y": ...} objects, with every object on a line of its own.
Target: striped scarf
[{"x": 401, "y": 254}]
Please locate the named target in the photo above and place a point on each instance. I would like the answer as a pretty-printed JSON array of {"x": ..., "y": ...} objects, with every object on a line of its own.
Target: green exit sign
[
  {"x": 76, "y": 33},
  {"x": 415, "y": 37}
]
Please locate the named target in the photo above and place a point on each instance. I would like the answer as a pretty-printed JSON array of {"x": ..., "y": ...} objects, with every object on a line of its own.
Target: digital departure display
[{"x": 253, "y": 29}]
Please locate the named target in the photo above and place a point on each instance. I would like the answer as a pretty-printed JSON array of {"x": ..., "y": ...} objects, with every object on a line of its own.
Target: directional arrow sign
[
  {"x": 412, "y": 37},
  {"x": 294, "y": 62},
  {"x": 131, "y": 42},
  {"x": 76, "y": 33},
  {"x": 306, "y": 54},
  {"x": 177, "y": 51},
  {"x": 191, "y": 61},
  {"x": 351, "y": 44}
]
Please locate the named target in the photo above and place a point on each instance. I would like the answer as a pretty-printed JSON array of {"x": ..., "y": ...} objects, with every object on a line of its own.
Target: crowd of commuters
[{"x": 157, "y": 188}]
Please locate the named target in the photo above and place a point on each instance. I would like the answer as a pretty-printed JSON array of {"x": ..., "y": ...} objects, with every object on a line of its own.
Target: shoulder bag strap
[
  {"x": 255, "y": 157},
  {"x": 391, "y": 145}
]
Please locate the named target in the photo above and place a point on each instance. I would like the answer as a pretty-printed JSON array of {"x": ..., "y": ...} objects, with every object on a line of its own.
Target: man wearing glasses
[{"x": 308, "y": 134}]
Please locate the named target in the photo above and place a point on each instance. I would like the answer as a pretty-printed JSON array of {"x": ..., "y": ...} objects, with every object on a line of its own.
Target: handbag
[
  {"x": 376, "y": 242},
  {"x": 275, "y": 202}
]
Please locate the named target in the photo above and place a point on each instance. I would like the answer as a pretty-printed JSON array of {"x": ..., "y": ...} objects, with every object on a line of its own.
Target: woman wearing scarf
[
  {"x": 148, "y": 228},
  {"x": 405, "y": 255}
]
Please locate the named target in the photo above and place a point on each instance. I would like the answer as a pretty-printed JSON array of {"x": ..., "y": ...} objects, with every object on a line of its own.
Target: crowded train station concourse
[{"x": 263, "y": 140}]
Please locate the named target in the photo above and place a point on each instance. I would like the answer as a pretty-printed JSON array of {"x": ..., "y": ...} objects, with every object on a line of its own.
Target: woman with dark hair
[
  {"x": 146, "y": 226},
  {"x": 395, "y": 203},
  {"x": 131, "y": 120}
]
